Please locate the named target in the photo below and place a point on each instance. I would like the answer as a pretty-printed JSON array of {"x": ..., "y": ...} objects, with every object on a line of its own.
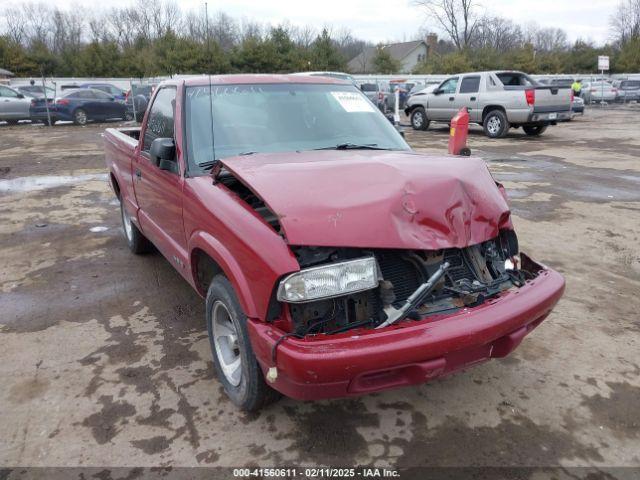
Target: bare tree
[
  {"x": 458, "y": 18},
  {"x": 497, "y": 33},
  {"x": 626, "y": 20},
  {"x": 15, "y": 24}
]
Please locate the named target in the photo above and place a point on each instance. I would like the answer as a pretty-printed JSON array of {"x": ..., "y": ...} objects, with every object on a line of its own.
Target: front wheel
[
  {"x": 534, "y": 130},
  {"x": 496, "y": 124},
  {"x": 80, "y": 117},
  {"x": 419, "y": 120},
  {"x": 233, "y": 358}
]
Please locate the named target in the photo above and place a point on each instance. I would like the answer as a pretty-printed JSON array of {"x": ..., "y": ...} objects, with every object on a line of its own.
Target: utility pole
[{"x": 46, "y": 100}]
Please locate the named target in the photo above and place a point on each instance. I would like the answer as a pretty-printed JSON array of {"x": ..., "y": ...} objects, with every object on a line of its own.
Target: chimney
[{"x": 432, "y": 44}]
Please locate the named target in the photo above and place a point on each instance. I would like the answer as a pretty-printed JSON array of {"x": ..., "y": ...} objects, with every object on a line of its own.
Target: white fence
[{"x": 125, "y": 83}]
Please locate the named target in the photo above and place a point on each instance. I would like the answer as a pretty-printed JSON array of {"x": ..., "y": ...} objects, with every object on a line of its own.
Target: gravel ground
[{"x": 105, "y": 360}]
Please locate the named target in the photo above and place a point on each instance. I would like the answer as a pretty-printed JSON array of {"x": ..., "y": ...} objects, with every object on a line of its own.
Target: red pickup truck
[{"x": 334, "y": 260}]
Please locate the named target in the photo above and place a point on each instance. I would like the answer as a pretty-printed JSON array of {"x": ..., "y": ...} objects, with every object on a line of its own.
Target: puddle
[{"x": 28, "y": 184}]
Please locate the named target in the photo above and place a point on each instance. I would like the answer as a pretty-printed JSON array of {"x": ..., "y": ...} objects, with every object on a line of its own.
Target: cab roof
[{"x": 239, "y": 79}]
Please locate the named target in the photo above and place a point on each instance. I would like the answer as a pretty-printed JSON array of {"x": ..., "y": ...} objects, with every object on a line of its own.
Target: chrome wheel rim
[
  {"x": 126, "y": 223},
  {"x": 493, "y": 125},
  {"x": 225, "y": 341},
  {"x": 417, "y": 119},
  {"x": 81, "y": 117}
]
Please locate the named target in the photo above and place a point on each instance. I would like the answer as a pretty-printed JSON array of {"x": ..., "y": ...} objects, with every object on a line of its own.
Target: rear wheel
[
  {"x": 496, "y": 124},
  {"x": 534, "y": 130},
  {"x": 80, "y": 117},
  {"x": 419, "y": 120},
  {"x": 233, "y": 358},
  {"x": 136, "y": 241}
]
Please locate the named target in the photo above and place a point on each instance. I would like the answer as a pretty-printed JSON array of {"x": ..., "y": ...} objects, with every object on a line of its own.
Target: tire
[
  {"x": 136, "y": 241},
  {"x": 80, "y": 117},
  {"x": 534, "y": 130},
  {"x": 244, "y": 384},
  {"x": 496, "y": 124},
  {"x": 419, "y": 120},
  {"x": 128, "y": 116}
]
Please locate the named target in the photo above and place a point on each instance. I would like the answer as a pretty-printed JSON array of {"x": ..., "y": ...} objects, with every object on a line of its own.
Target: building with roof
[{"x": 408, "y": 54}]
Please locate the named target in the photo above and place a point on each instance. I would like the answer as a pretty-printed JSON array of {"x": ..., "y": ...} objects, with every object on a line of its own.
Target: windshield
[{"x": 266, "y": 118}]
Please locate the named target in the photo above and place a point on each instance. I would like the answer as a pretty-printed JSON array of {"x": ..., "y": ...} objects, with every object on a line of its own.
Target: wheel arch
[
  {"x": 208, "y": 258},
  {"x": 489, "y": 108},
  {"x": 115, "y": 185}
]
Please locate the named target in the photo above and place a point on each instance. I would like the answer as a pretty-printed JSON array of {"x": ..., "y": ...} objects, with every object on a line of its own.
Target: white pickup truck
[{"x": 496, "y": 100}]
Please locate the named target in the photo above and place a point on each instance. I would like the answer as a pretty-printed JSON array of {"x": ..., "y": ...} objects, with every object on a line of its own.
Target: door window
[
  {"x": 7, "y": 92},
  {"x": 102, "y": 96},
  {"x": 470, "y": 84},
  {"x": 160, "y": 122},
  {"x": 450, "y": 85}
]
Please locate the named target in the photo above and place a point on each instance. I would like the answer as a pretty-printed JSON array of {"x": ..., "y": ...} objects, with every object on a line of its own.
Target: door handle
[
  {"x": 138, "y": 174},
  {"x": 451, "y": 99},
  {"x": 473, "y": 99}
]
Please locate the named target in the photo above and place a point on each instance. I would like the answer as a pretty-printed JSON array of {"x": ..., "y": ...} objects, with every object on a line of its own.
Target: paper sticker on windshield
[{"x": 352, "y": 102}]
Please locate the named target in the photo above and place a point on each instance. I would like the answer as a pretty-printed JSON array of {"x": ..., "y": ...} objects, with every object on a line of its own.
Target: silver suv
[{"x": 497, "y": 100}]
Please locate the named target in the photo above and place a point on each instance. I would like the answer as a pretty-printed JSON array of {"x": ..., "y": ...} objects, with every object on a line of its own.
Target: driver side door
[
  {"x": 442, "y": 105},
  {"x": 159, "y": 192}
]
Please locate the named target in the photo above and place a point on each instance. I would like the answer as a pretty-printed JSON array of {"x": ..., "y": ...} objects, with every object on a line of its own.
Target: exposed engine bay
[
  {"x": 412, "y": 284},
  {"x": 461, "y": 278}
]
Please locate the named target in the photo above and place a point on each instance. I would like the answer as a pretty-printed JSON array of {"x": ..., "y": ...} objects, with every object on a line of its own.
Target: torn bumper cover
[{"x": 365, "y": 361}]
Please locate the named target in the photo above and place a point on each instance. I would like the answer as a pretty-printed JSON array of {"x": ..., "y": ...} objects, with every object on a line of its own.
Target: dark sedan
[{"x": 79, "y": 106}]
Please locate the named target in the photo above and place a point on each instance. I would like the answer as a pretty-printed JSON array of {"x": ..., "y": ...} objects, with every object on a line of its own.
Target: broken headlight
[{"x": 332, "y": 280}]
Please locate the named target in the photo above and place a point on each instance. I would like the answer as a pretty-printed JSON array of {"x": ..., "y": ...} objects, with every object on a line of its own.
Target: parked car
[
  {"x": 338, "y": 75},
  {"x": 376, "y": 93},
  {"x": 376, "y": 267},
  {"x": 111, "y": 90},
  {"x": 561, "y": 82},
  {"x": 80, "y": 106},
  {"x": 577, "y": 107},
  {"x": 36, "y": 91},
  {"x": 13, "y": 105},
  {"x": 403, "y": 89},
  {"x": 140, "y": 96},
  {"x": 628, "y": 90},
  {"x": 598, "y": 92},
  {"x": 497, "y": 100}
]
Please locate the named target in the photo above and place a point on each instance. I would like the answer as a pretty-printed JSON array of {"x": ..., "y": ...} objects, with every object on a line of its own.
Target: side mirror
[
  {"x": 163, "y": 154},
  {"x": 20, "y": 95},
  {"x": 438, "y": 91}
]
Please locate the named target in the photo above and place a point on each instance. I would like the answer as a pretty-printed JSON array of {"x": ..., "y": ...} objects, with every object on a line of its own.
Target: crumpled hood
[{"x": 376, "y": 199}]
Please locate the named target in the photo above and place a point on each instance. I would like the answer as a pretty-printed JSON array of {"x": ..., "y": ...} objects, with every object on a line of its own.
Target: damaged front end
[{"x": 340, "y": 289}]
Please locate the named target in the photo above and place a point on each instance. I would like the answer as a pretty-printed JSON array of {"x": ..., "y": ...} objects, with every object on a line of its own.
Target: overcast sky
[{"x": 380, "y": 20}]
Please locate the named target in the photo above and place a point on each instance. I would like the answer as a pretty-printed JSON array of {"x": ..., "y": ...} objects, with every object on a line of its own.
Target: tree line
[
  {"x": 158, "y": 38},
  {"x": 480, "y": 41}
]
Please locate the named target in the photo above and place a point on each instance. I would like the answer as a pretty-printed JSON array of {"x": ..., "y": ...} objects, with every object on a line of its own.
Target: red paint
[
  {"x": 338, "y": 198},
  {"x": 358, "y": 362},
  {"x": 334, "y": 198},
  {"x": 459, "y": 132}
]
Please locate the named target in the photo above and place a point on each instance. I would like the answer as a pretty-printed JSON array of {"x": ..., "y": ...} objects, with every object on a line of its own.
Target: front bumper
[{"x": 360, "y": 362}]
